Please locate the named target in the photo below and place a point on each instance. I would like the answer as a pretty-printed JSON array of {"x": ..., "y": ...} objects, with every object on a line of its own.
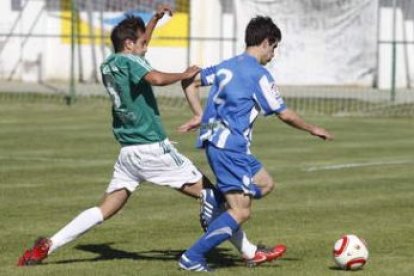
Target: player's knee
[
  {"x": 271, "y": 185},
  {"x": 246, "y": 214},
  {"x": 113, "y": 202},
  {"x": 268, "y": 185},
  {"x": 242, "y": 214},
  {"x": 264, "y": 180}
]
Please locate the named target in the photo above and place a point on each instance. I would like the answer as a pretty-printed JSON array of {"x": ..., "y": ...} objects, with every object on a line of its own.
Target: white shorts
[{"x": 159, "y": 163}]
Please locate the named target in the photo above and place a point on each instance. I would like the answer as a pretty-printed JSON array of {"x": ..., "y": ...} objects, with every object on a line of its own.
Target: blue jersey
[{"x": 241, "y": 89}]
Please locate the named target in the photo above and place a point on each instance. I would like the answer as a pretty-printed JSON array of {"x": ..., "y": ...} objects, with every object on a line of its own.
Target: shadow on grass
[
  {"x": 344, "y": 270},
  {"x": 335, "y": 268},
  {"x": 217, "y": 257}
]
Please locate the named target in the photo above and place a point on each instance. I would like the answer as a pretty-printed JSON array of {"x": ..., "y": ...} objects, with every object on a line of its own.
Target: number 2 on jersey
[{"x": 227, "y": 76}]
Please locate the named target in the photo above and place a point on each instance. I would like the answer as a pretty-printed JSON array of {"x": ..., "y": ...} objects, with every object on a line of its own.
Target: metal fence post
[
  {"x": 394, "y": 49},
  {"x": 189, "y": 34},
  {"x": 72, "y": 89}
]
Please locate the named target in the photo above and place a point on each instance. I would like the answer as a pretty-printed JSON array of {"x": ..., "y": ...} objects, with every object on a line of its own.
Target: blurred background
[{"x": 340, "y": 57}]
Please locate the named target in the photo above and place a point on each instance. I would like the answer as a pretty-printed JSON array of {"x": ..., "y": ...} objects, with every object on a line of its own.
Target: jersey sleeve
[
  {"x": 138, "y": 68},
  {"x": 208, "y": 75},
  {"x": 267, "y": 96}
]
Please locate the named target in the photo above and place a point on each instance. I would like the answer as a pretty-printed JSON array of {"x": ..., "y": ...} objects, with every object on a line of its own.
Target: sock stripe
[{"x": 225, "y": 230}]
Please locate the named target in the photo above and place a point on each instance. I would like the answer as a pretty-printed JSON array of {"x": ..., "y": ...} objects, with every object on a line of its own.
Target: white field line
[
  {"x": 357, "y": 165},
  {"x": 52, "y": 159},
  {"x": 21, "y": 185}
]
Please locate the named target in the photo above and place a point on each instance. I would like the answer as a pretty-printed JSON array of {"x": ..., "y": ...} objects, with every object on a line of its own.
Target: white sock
[
  {"x": 79, "y": 225},
  {"x": 240, "y": 241}
]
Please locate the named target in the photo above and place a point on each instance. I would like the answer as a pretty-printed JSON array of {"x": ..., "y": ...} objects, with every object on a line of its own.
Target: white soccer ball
[{"x": 350, "y": 252}]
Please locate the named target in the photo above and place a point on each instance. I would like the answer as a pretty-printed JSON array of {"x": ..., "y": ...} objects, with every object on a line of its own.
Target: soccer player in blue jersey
[
  {"x": 241, "y": 89},
  {"x": 146, "y": 153}
]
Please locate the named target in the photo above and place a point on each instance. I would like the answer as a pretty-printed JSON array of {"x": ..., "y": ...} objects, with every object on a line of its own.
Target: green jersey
[{"x": 136, "y": 118}]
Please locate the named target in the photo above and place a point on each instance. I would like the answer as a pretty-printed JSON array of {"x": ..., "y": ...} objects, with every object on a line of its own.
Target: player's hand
[
  {"x": 161, "y": 10},
  {"x": 321, "y": 133},
  {"x": 192, "y": 124},
  {"x": 192, "y": 71}
]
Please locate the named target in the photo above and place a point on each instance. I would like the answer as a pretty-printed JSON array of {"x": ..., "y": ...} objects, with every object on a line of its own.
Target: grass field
[{"x": 55, "y": 161}]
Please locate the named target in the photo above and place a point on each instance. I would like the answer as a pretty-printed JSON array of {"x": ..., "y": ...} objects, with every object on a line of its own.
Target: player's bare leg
[
  {"x": 239, "y": 206},
  {"x": 113, "y": 202},
  {"x": 212, "y": 207},
  {"x": 252, "y": 254},
  {"x": 221, "y": 229},
  {"x": 110, "y": 205},
  {"x": 262, "y": 253}
]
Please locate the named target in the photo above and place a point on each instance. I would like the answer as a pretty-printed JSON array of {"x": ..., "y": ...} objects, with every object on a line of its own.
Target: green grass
[{"x": 55, "y": 161}]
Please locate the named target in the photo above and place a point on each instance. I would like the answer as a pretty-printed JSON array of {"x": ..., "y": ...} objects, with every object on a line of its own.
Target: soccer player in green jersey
[{"x": 146, "y": 153}]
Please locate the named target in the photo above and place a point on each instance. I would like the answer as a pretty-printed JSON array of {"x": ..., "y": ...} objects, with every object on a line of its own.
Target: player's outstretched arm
[
  {"x": 291, "y": 118},
  {"x": 191, "y": 91},
  {"x": 158, "y": 78},
  {"x": 159, "y": 13}
]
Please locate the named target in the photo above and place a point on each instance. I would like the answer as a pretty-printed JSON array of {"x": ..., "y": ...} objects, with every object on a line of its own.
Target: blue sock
[
  {"x": 257, "y": 192},
  {"x": 221, "y": 229}
]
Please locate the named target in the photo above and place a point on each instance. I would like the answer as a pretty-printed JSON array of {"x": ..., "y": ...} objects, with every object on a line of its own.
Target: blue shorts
[{"x": 234, "y": 170}]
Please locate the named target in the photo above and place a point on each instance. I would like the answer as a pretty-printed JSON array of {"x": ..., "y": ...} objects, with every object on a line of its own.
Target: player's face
[
  {"x": 268, "y": 52},
  {"x": 140, "y": 46}
]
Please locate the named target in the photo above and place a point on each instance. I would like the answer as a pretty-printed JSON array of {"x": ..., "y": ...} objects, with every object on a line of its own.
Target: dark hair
[
  {"x": 260, "y": 28},
  {"x": 126, "y": 29}
]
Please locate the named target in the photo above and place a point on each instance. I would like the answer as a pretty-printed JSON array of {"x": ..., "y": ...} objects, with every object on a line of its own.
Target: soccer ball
[{"x": 350, "y": 252}]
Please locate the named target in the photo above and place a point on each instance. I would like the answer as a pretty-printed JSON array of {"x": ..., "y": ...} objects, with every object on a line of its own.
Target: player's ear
[
  {"x": 265, "y": 43},
  {"x": 128, "y": 44}
]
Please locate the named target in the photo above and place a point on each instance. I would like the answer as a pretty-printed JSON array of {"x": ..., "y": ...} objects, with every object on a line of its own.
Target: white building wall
[
  {"x": 34, "y": 59},
  {"x": 404, "y": 31},
  {"x": 10, "y": 47}
]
